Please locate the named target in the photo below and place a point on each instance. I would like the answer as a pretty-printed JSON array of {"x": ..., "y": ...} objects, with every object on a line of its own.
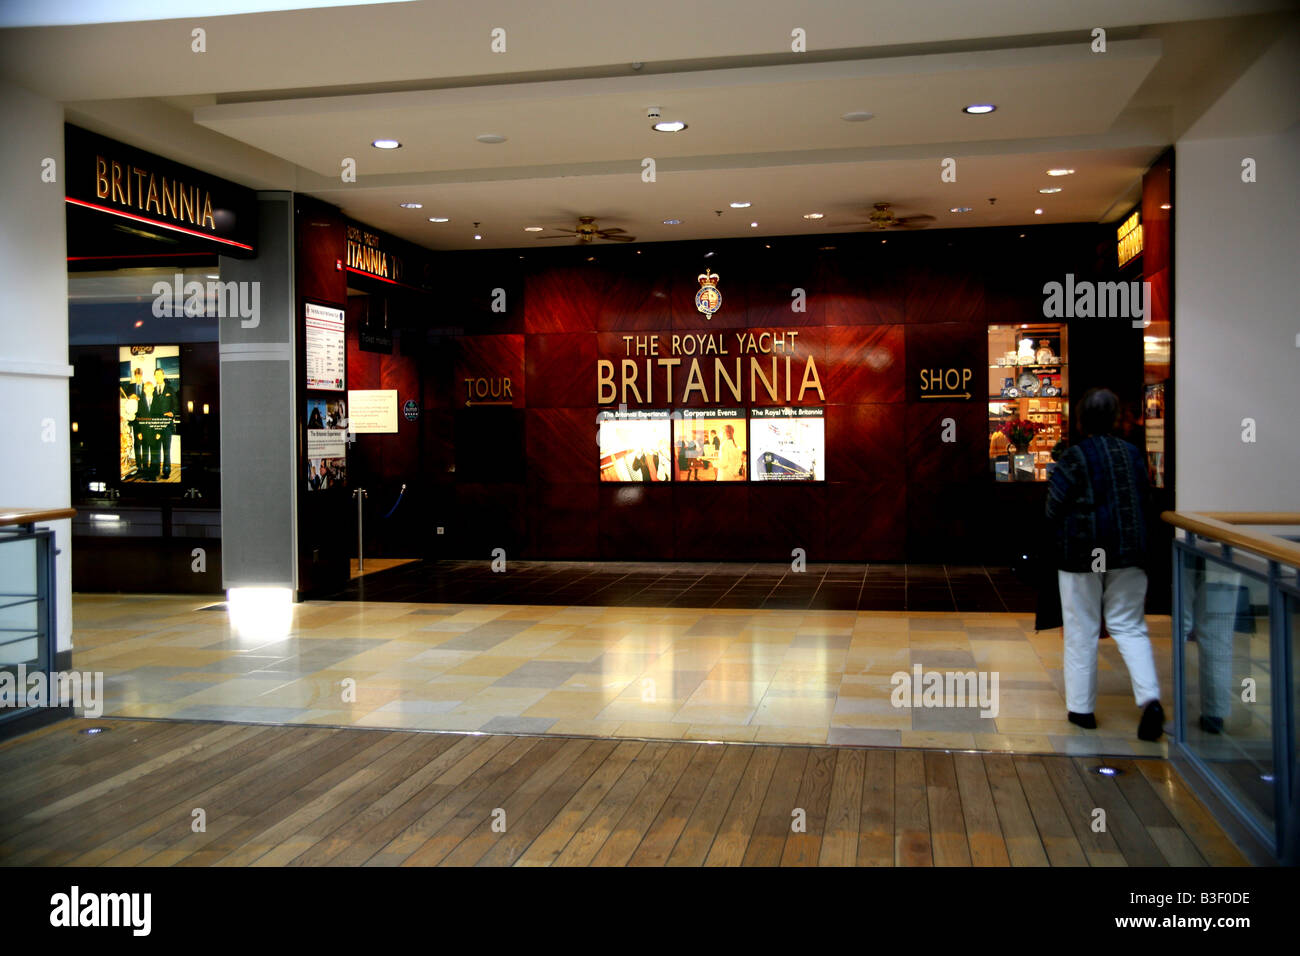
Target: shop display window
[{"x": 1028, "y": 396}]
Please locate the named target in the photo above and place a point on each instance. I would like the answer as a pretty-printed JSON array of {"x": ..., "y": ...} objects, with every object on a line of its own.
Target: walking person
[{"x": 1096, "y": 505}]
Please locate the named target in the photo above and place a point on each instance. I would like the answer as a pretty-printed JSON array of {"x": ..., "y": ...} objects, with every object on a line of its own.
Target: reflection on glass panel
[
  {"x": 1291, "y": 613},
  {"x": 1227, "y": 707}
]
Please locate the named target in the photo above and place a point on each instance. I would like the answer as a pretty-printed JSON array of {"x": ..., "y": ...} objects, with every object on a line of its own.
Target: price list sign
[{"x": 326, "y": 348}]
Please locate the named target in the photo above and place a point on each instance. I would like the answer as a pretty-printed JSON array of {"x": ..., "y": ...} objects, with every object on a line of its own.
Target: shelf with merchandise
[{"x": 1009, "y": 348}]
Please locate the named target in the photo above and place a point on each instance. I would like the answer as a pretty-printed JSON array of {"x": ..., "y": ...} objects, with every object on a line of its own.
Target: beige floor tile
[{"x": 652, "y": 729}]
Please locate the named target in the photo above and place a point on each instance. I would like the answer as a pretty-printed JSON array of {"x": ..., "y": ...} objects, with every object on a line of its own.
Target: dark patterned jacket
[{"x": 1096, "y": 498}]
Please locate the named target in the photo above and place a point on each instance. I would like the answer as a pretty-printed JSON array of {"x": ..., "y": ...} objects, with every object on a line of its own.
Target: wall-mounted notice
[
  {"x": 372, "y": 411},
  {"x": 789, "y": 444},
  {"x": 326, "y": 348},
  {"x": 326, "y": 424}
]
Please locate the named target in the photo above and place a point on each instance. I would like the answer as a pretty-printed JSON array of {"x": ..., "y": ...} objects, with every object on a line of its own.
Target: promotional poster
[
  {"x": 710, "y": 445},
  {"x": 149, "y": 386},
  {"x": 789, "y": 444},
  {"x": 634, "y": 446}
]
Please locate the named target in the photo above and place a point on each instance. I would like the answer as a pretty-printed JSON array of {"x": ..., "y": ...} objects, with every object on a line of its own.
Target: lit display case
[{"x": 1028, "y": 397}]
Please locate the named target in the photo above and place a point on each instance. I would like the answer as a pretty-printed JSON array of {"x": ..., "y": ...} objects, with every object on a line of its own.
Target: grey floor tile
[
  {"x": 517, "y": 725},
  {"x": 858, "y": 737}
]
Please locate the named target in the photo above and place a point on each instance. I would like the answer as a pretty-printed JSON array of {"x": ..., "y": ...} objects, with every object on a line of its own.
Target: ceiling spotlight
[
  {"x": 857, "y": 116},
  {"x": 532, "y": 228},
  {"x": 439, "y": 219},
  {"x": 740, "y": 205},
  {"x": 960, "y": 209},
  {"x": 1165, "y": 205},
  {"x": 386, "y": 144},
  {"x": 669, "y": 126},
  {"x": 1048, "y": 190},
  {"x": 491, "y": 138},
  {"x": 753, "y": 225},
  {"x": 477, "y": 236},
  {"x": 814, "y": 215},
  {"x": 1038, "y": 212},
  {"x": 411, "y": 205},
  {"x": 976, "y": 109},
  {"x": 672, "y": 222},
  {"x": 1060, "y": 172}
]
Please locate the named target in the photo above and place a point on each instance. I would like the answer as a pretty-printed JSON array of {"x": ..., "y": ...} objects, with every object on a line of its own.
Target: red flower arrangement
[{"x": 1020, "y": 432}]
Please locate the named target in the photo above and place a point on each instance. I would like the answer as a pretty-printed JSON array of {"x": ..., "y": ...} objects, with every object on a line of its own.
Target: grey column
[{"x": 258, "y": 464}]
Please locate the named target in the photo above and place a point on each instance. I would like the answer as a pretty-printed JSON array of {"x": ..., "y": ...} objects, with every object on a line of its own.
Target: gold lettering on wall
[{"x": 125, "y": 185}]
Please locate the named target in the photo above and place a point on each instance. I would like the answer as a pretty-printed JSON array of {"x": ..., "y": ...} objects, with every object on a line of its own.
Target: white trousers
[{"x": 1120, "y": 596}]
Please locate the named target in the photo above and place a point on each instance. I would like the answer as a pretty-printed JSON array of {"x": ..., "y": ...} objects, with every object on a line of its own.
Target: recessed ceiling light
[
  {"x": 1038, "y": 212},
  {"x": 532, "y": 228},
  {"x": 960, "y": 209},
  {"x": 386, "y": 144},
  {"x": 491, "y": 138},
  {"x": 439, "y": 219},
  {"x": 753, "y": 225},
  {"x": 814, "y": 215},
  {"x": 1048, "y": 190},
  {"x": 978, "y": 108},
  {"x": 477, "y": 236},
  {"x": 672, "y": 222},
  {"x": 857, "y": 116},
  {"x": 740, "y": 205},
  {"x": 411, "y": 205},
  {"x": 669, "y": 126},
  {"x": 1060, "y": 172},
  {"x": 1165, "y": 205}
]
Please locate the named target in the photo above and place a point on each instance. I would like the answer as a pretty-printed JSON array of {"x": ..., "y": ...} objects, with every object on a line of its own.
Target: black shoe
[
  {"x": 1152, "y": 724},
  {"x": 1086, "y": 721},
  {"x": 1211, "y": 725}
]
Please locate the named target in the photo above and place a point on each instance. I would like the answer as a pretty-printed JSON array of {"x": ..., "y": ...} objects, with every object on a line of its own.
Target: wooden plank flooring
[{"x": 304, "y": 796}]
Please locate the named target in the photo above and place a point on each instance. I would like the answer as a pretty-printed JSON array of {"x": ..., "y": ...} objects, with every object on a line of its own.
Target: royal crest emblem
[{"x": 708, "y": 300}]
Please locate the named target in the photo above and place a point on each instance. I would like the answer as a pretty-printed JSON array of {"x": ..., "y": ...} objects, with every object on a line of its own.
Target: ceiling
[{"x": 280, "y": 100}]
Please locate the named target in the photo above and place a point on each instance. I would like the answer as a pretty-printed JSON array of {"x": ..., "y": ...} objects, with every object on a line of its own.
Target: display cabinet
[{"x": 1028, "y": 398}]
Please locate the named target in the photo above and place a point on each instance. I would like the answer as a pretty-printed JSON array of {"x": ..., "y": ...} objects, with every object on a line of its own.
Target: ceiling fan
[
  {"x": 588, "y": 231},
  {"x": 882, "y": 217}
]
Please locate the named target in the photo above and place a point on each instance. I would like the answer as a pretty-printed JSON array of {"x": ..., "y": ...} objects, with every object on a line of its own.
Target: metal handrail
[{"x": 1222, "y": 526}]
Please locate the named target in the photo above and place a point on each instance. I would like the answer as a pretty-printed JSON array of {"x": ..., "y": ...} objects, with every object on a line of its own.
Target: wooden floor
[{"x": 306, "y": 796}]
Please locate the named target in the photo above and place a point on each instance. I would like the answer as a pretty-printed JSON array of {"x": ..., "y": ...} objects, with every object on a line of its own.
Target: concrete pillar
[
  {"x": 34, "y": 369},
  {"x": 258, "y": 461}
]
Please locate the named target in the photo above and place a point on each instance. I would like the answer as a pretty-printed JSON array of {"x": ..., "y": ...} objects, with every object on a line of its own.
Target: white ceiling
[{"x": 279, "y": 100}]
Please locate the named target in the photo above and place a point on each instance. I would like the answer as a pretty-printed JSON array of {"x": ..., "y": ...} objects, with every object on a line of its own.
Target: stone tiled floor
[
  {"x": 734, "y": 585},
  {"x": 738, "y": 675}
]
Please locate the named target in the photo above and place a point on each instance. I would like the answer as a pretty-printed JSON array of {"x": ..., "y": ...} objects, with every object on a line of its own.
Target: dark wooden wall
[{"x": 525, "y": 477}]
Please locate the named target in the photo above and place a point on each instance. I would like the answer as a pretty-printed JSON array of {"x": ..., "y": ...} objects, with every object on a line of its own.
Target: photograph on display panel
[
  {"x": 789, "y": 444},
  {"x": 710, "y": 445},
  {"x": 634, "y": 446},
  {"x": 149, "y": 387}
]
